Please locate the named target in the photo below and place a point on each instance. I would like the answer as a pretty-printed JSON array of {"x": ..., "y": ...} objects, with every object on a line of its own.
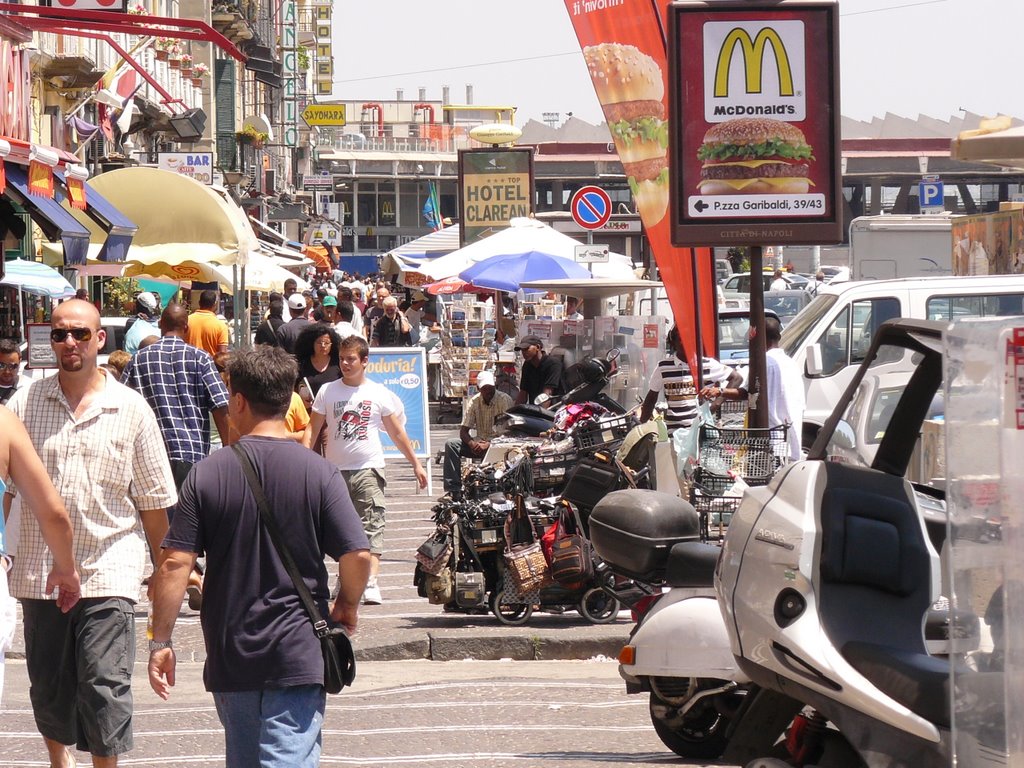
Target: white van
[{"x": 830, "y": 337}]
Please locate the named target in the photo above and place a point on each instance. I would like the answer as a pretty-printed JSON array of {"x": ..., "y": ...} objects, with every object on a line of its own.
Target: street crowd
[{"x": 105, "y": 465}]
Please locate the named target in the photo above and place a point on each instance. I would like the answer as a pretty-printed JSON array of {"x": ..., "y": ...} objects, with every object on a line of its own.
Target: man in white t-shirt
[
  {"x": 786, "y": 399},
  {"x": 355, "y": 411}
]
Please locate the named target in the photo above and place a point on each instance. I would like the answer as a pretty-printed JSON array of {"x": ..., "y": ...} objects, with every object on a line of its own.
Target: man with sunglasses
[{"x": 101, "y": 446}]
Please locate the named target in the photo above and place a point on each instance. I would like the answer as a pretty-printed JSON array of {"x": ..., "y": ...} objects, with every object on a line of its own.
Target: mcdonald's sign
[{"x": 754, "y": 118}]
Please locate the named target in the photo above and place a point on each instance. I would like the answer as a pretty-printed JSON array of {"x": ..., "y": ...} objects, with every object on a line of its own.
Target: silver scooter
[{"x": 828, "y": 573}]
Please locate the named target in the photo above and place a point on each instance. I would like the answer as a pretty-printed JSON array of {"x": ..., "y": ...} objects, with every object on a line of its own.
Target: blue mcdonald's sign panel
[{"x": 403, "y": 370}]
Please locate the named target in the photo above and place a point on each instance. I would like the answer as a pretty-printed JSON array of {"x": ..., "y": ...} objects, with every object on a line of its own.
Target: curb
[{"x": 526, "y": 647}]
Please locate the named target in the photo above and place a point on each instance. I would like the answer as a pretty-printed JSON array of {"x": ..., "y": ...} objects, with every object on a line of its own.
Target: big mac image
[
  {"x": 630, "y": 87},
  {"x": 754, "y": 156}
]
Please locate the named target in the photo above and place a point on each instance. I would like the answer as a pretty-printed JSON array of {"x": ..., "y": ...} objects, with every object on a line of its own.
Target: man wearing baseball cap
[
  {"x": 541, "y": 372},
  {"x": 483, "y": 408},
  {"x": 289, "y": 332}
]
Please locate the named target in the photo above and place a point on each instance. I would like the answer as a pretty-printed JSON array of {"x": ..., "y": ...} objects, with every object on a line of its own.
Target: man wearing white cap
[
  {"x": 289, "y": 332},
  {"x": 483, "y": 408}
]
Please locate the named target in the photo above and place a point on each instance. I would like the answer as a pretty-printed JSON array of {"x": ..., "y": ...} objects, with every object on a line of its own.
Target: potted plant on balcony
[
  {"x": 222, "y": 13},
  {"x": 163, "y": 47},
  {"x": 174, "y": 56},
  {"x": 186, "y": 65},
  {"x": 199, "y": 71},
  {"x": 249, "y": 135},
  {"x": 138, "y": 9}
]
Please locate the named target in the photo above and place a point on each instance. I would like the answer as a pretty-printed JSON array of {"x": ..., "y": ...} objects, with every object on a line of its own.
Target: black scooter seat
[
  {"x": 691, "y": 564},
  {"x": 531, "y": 409},
  {"x": 916, "y": 680}
]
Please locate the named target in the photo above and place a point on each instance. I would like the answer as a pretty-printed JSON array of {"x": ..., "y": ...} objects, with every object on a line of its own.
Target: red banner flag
[
  {"x": 3, "y": 177},
  {"x": 624, "y": 46},
  {"x": 40, "y": 179},
  {"x": 76, "y": 193}
]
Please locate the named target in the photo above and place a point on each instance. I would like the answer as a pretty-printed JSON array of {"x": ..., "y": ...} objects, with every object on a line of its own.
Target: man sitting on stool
[{"x": 483, "y": 408}]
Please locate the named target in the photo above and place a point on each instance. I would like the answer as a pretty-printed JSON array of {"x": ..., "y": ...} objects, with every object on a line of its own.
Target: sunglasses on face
[{"x": 59, "y": 335}]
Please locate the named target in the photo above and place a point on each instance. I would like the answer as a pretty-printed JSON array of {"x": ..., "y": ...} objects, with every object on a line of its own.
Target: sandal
[{"x": 195, "y": 596}]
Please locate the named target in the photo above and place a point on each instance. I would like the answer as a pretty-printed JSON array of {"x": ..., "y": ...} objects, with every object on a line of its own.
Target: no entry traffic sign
[{"x": 591, "y": 207}]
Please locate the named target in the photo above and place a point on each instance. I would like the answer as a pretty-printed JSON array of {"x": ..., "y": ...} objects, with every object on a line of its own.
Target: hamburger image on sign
[
  {"x": 631, "y": 89},
  {"x": 754, "y": 156}
]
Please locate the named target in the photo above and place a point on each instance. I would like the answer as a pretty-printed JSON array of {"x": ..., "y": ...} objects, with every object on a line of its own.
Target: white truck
[{"x": 891, "y": 246}]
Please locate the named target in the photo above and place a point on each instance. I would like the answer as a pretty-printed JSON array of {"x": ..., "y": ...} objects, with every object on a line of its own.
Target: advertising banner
[
  {"x": 625, "y": 50},
  {"x": 195, "y": 165},
  {"x": 403, "y": 370},
  {"x": 754, "y": 89},
  {"x": 989, "y": 243},
  {"x": 495, "y": 185}
]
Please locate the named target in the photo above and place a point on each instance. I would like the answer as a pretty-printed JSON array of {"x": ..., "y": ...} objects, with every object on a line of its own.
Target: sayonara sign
[
  {"x": 403, "y": 370},
  {"x": 195, "y": 165},
  {"x": 754, "y": 93},
  {"x": 495, "y": 186}
]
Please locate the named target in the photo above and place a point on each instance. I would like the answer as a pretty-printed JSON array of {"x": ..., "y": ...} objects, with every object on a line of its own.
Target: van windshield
[{"x": 795, "y": 334}]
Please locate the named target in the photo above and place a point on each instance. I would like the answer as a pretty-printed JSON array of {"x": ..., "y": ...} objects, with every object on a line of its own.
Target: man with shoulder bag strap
[{"x": 264, "y": 664}]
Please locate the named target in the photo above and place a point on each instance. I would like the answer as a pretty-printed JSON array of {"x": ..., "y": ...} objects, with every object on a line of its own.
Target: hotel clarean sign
[{"x": 754, "y": 96}]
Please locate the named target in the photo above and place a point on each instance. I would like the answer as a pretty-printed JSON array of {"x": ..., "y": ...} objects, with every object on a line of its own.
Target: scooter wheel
[
  {"x": 510, "y": 614},
  {"x": 699, "y": 734},
  {"x": 598, "y": 607}
]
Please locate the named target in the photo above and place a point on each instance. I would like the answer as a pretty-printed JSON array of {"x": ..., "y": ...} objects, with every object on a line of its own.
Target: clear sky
[{"x": 908, "y": 57}]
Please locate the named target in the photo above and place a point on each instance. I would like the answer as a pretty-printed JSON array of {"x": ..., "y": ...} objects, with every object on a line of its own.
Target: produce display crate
[
  {"x": 603, "y": 433},
  {"x": 753, "y": 454}
]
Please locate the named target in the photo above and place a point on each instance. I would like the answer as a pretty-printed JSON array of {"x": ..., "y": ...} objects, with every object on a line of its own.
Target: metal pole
[{"x": 757, "y": 380}]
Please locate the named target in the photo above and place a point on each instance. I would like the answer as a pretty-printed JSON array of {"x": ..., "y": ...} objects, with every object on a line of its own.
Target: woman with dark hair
[{"x": 316, "y": 350}]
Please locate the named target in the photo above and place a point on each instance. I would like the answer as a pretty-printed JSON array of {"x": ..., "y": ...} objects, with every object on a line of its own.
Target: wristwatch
[{"x": 159, "y": 645}]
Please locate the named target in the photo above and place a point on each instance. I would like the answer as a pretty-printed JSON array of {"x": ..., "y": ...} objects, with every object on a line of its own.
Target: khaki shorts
[{"x": 366, "y": 487}]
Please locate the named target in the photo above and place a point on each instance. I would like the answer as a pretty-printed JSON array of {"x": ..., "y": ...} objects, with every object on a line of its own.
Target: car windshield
[
  {"x": 795, "y": 334},
  {"x": 783, "y": 306},
  {"x": 732, "y": 333}
]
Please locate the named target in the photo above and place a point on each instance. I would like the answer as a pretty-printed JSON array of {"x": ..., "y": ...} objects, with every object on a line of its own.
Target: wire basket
[
  {"x": 733, "y": 413},
  {"x": 750, "y": 453},
  {"x": 715, "y": 513},
  {"x": 603, "y": 433},
  {"x": 552, "y": 470}
]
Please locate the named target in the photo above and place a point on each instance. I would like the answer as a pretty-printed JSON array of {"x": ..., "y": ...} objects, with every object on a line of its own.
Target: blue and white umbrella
[
  {"x": 506, "y": 273},
  {"x": 36, "y": 277}
]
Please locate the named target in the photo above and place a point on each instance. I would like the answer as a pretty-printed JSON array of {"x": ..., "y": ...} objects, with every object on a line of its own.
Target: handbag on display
[
  {"x": 571, "y": 564},
  {"x": 524, "y": 559},
  {"x": 434, "y": 553},
  {"x": 339, "y": 659}
]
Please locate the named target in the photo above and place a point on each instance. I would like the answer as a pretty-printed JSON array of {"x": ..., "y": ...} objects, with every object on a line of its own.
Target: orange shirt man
[{"x": 205, "y": 330}]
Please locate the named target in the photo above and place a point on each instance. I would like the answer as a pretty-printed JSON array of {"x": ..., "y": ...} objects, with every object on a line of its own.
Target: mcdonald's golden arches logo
[{"x": 754, "y": 68}]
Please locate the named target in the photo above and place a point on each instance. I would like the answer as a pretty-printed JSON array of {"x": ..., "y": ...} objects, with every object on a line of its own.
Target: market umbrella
[
  {"x": 452, "y": 284},
  {"x": 996, "y": 142},
  {"x": 35, "y": 277},
  {"x": 506, "y": 273}
]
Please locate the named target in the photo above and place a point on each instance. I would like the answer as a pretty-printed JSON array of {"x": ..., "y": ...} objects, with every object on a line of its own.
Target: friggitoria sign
[
  {"x": 495, "y": 186},
  {"x": 195, "y": 165},
  {"x": 754, "y": 96}
]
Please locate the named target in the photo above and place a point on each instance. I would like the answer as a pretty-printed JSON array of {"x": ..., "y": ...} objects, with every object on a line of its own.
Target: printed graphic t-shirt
[{"x": 354, "y": 422}]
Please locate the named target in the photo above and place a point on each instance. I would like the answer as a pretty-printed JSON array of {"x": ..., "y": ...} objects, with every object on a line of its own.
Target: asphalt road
[{"x": 453, "y": 714}]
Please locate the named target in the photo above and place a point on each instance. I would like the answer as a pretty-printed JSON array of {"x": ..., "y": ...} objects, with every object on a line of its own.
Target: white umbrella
[
  {"x": 35, "y": 277},
  {"x": 995, "y": 142}
]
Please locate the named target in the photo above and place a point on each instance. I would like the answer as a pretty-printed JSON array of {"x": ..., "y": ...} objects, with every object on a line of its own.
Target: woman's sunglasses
[{"x": 59, "y": 335}]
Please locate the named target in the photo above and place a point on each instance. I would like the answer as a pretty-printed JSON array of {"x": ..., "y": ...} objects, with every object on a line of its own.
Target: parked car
[
  {"x": 786, "y": 304},
  {"x": 739, "y": 285},
  {"x": 733, "y": 343}
]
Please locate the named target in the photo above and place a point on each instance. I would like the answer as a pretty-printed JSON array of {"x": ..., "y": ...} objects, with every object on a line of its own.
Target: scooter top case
[{"x": 634, "y": 530}]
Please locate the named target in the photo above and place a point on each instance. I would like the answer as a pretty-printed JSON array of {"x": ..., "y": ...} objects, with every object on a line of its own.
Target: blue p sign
[{"x": 930, "y": 194}]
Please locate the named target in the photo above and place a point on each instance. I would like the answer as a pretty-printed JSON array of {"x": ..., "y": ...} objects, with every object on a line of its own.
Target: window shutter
[{"x": 224, "y": 86}]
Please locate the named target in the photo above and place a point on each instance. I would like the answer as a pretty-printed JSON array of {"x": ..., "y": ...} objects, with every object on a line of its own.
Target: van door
[{"x": 843, "y": 345}]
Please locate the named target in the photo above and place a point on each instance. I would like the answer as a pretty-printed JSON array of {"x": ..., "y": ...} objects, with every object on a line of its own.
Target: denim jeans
[
  {"x": 272, "y": 728},
  {"x": 454, "y": 451}
]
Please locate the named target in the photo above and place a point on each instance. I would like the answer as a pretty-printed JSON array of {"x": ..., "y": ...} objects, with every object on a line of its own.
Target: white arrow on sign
[{"x": 591, "y": 254}]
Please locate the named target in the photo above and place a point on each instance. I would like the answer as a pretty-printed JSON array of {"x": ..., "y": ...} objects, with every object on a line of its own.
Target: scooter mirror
[
  {"x": 542, "y": 398},
  {"x": 844, "y": 436},
  {"x": 611, "y": 354}
]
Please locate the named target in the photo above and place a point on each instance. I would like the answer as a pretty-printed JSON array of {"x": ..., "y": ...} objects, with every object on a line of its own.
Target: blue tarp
[{"x": 51, "y": 217}]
